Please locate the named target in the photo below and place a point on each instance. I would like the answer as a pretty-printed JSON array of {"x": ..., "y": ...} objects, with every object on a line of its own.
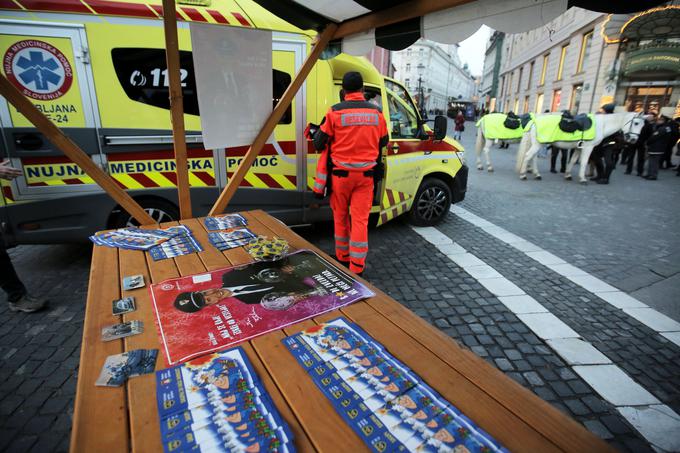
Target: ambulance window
[
  {"x": 143, "y": 75},
  {"x": 281, "y": 82},
  {"x": 403, "y": 120},
  {"x": 373, "y": 96}
]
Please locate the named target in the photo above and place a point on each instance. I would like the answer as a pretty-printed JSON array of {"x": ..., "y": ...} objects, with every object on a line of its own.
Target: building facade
[
  {"x": 382, "y": 60},
  {"x": 443, "y": 78},
  {"x": 583, "y": 60},
  {"x": 560, "y": 66},
  {"x": 646, "y": 73},
  {"x": 491, "y": 72}
]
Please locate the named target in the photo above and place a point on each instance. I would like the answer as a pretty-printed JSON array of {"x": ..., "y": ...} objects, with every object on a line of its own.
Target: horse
[
  {"x": 630, "y": 123},
  {"x": 492, "y": 127}
]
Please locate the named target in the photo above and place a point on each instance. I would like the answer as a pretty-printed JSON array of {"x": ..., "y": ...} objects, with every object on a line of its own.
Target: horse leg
[
  {"x": 487, "y": 149},
  {"x": 481, "y": 143},
  {"x": 585, "y": 155},
  {"x": 528, "y": 155},
  {"x": 572, "y": 162},
  {"x": 537, "y": 175}
]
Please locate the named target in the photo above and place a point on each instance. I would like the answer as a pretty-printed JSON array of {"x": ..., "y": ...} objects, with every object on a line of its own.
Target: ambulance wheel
[
  {"x": 159, "y": 210},
  {"x": 431, "y": 204}
]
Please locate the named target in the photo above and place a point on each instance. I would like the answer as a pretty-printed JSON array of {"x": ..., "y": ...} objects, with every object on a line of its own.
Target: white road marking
[
  {"x": 578, "y": 352},
  {"x": 522, "y": 304},
  {"x": 615, "y": 385},
  {"x": 547, "y": 326},
  {"x": 656, "y": 321},
  {"x": 656, "y": 422}
]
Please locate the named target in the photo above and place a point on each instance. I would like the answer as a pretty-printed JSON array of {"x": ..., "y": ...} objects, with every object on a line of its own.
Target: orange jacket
[
  {"x": 356, "y": 130},
  {"x": 322, "y": 170}
]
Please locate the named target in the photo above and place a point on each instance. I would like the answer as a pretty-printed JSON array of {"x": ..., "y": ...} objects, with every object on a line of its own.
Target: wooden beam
[
  {"x": 176, "y": 108},
  {"x": 261, "y": 138},
  {"x": 403, "y": 11},
  {"x": 72, "y": 151}
]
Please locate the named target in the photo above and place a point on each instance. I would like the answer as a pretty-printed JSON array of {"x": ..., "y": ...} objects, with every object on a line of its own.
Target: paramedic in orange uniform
[{"x": 355, "y": 132}]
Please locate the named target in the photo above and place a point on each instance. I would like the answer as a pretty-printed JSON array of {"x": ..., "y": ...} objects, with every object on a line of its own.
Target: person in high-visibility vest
[{"x": 356, "y": 132}]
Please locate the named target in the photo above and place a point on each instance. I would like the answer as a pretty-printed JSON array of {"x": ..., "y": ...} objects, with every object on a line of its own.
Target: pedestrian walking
[
  {"x": 657, "y": 143},
  {"x": 459, "y": 125},
  {"x": 355, "y": 132},
  {"x": 17, "y": 295}
]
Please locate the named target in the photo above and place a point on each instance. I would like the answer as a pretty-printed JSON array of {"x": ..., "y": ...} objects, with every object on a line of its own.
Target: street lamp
[{"x": 421, "y": 70}]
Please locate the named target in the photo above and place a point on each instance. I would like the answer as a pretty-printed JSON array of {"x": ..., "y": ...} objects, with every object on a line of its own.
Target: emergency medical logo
[{"x": 38, "y": 69}]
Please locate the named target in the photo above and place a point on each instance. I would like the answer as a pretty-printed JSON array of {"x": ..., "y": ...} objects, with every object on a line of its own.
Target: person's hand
[{"x": 7, "y": 171}]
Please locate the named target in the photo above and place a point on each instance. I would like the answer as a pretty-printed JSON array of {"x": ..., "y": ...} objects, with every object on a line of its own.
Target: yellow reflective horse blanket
[
  {"x": 493, "y": 128},
  {"x": 548, "y": 129}
]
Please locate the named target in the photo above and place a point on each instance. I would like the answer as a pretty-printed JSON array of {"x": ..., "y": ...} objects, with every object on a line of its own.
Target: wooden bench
[{"x": 125, "y": 418}]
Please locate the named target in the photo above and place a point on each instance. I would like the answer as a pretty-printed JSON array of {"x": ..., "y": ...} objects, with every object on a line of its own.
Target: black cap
[
  {"x": 608, "y": 108},
  {"x": 190, "y": 302},
  {"x": 352, "y": 81}
]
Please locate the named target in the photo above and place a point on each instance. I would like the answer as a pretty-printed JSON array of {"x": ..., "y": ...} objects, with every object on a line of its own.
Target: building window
[
  {"x": 525, "y": 107},
  {"x": 539, "y": 103},
  {"x": 544, "y": 69},
  {"x": 563, "y": 55},
  {"x": 407, "y": 82},
  {"x": 408, "y": 52},
  {"x": 500, "y": 93},
  {"x": 408, "y": 67},
  {"x": 516, "y": 109},
  {"x": 519, "y": 79},
  {"x": 531, "y": 74},
  {"x": 557, "y": 98},
  {"x": 509, "y": 87},
  {"x": 575, "y": 102},
  {"x": 585, "y": 50}
]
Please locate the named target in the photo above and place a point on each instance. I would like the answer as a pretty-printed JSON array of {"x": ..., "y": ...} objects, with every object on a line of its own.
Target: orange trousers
[{"x": 351, "y": 201}]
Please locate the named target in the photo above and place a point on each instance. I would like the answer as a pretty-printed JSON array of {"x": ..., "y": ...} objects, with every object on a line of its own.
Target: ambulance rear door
[{"x": 49, "y": 64}]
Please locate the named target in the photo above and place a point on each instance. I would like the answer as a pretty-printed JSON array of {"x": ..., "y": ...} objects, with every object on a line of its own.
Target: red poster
[{"x": 203, "y": 313}]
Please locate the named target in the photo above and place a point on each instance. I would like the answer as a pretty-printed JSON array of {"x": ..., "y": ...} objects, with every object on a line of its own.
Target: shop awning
[
  {"x": 400, "y": 23},
  {"x": 660, "y": 22}
]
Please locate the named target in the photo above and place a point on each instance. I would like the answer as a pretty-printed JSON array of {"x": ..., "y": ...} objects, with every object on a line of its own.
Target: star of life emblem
[{"x": 38, "y": 69}]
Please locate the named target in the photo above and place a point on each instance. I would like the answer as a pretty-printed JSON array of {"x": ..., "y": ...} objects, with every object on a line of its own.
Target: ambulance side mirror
[{"x": 439, "y": 128}]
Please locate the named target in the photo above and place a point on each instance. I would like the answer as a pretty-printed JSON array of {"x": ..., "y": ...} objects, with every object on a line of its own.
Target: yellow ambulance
[{"x": 97, "y": 69}]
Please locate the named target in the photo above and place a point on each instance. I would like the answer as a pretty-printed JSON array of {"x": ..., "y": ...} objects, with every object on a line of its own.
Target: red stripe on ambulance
[{"x": 219, "y": 18}]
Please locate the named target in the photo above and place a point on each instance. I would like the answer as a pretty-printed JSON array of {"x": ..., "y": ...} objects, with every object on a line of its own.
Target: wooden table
[{"x": 126, "y": 418}]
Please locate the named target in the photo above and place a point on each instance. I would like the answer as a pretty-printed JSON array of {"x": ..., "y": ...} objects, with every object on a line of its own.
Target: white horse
[
  {"x": 630, "y": 123},
  {"x": 484, "y": 145}
]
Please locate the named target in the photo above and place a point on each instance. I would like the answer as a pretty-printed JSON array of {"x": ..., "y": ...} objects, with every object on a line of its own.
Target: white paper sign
[{"x": 233, "y": 69}]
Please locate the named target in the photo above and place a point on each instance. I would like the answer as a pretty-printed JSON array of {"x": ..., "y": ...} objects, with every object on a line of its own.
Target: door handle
[{"x": 28, "y": 142}]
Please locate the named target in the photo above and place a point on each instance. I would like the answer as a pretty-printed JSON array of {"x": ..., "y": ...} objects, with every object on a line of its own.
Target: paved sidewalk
[{"x": 39, "y": 352}]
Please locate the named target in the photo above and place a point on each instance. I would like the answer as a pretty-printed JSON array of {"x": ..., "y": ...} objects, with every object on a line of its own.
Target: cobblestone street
[{"x": 624, "y": 234}]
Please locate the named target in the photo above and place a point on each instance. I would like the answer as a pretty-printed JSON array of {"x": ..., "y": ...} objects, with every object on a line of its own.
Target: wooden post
[
  {"x": 72, "y": 151},
  {"x": 272, "y": 121},
  {"x": 176, "y": 108}
]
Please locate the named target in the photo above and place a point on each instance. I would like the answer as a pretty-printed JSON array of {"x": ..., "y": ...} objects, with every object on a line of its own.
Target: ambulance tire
[
  {"x": 431, "y": 204},
  {"x": 160, "y": 210}
]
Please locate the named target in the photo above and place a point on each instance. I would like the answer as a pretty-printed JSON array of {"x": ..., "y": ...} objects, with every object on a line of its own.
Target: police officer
[{"x": 356, "y": 132}]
